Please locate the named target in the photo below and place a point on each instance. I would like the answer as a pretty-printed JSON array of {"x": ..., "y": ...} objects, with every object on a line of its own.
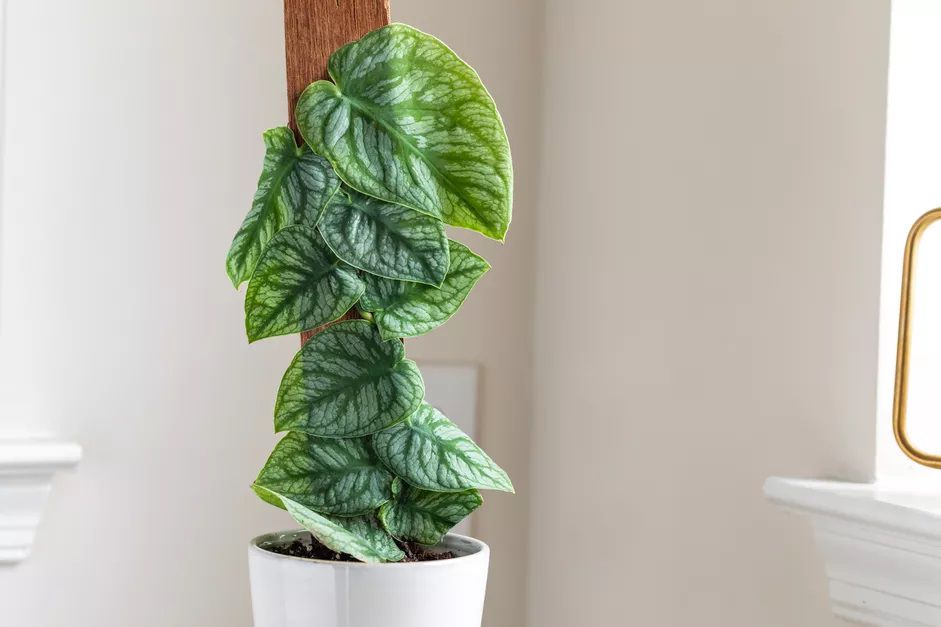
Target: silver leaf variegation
[
  {"x": 347, "y": 381},
  {"x": 328, "y": 475},
  {"x": 362, "y": 537},
  {"x": 299, "y": 284},
  {"x": 294, "y": 187},
  {"x": 385, "y": 239},
  {"x": 406, "y": 120},
  {"x": 431, "y": 452},
  {"x": 406, "y": 309},
  {"x": 424, "y": 516}
]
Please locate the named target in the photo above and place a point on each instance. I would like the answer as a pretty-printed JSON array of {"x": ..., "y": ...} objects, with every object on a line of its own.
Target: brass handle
[{"x": 899, "y": 405}]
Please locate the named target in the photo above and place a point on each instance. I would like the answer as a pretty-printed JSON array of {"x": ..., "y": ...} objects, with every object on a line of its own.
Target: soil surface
[{"x": 313, "y": 549}]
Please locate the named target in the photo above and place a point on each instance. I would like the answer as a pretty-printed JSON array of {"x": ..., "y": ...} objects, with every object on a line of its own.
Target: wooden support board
[{"x": 313, "y": 29}]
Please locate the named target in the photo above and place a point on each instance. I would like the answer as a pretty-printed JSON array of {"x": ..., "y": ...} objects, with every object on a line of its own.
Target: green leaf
[
  {"x": 411, "y": 123},
  {"x": 430, "y": 452},
  {"x": 359, "y": 536},
  {"x": 346, "y": 381},
  {"x": 424, "y": 516},
  {"x": 327, "y": 475},
  {"x": 388, "y": 240},
  {"x": 294, "y": 188},
  {"x": 404, "y": 309},
  {"x": 299, "y": 284},
  {"x": 369, "y": 528}
]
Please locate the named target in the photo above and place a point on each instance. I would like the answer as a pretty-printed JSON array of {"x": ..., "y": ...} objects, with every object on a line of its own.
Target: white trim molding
[
  {"x": 881, "y": 545},
  {"x": 27, "y": 466}
]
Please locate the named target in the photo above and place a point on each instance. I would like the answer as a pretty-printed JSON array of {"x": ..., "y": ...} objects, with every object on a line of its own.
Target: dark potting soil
[{"x": 313, "y": 549}]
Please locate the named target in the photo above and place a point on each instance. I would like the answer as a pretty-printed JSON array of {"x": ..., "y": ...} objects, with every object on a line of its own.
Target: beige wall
[
  {"x": 704, "y": 274},
  {"x": 706, "y": 309}
]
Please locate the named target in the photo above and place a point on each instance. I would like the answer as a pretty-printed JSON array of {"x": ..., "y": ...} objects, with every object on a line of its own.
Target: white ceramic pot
[{"x": 295, "y": 592}]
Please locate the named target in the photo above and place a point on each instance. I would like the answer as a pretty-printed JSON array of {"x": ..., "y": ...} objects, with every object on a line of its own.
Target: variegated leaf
[
  {"x": 299, "y": 284},
  {"x": 430, "y": 452},
  {"x": 423, "y": 516},
  {"x": 369, "y": 529},
  {"x": 328, "y": 475},
  {"x": 405, "y": 309},
  {"x": 385, "y": 239},
  {"x": 294, "y": 188},
  {"x": 347, "y": 381},
  {"x": 359, "y": 536},
  {"x": 409, "y": 122}
]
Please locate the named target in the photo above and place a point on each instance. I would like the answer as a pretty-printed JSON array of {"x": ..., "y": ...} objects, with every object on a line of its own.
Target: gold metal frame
[{"x": 900, "y": 404}]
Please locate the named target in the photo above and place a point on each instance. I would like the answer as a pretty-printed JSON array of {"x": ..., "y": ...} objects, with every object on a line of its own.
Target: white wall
[
  {"x": 132, "y": 150},
  {"x": 707, "y": 302},
  {"x": 133, "y": 147}
]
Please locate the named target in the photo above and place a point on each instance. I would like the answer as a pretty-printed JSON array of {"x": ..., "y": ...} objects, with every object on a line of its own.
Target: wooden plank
[{"x": 313, "y": 29}]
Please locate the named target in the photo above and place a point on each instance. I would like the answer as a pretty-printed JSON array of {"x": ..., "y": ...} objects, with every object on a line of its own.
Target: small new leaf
[
  {"x": 423, "y": 516},
  {"x": 388, "y": 240},
  {"x": 347, "y": 381},
  {"x": 405, "y": 309},
  {"x": 430, "y": 452},
  {"x": 411, "y": 123},
  {"x": 326, "y": 475},
  {"x": 298, "y": 284},
  {"x": 359, "y": 536},
  {"x": 294, "y": 188}
]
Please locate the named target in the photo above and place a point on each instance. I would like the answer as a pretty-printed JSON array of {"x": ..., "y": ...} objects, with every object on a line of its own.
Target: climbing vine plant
[{"x": 403, "y": 140}]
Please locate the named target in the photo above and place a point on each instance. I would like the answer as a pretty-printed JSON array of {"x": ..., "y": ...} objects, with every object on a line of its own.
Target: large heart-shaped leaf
[
  {"x": 409, "y": 122},
  {"x": 430, "y": 452},
  {"x": 424, "y": 516},
  {"x": 328, "y": 475},
  {"x": 347, "y": 381},
  {"x": 299, "y": 284},
  {"x": 294, "y": 188},
  {"x": 360, "y": 536},
  {"x": 405, "y": 309},
  {"x": 385, "y": 239}
]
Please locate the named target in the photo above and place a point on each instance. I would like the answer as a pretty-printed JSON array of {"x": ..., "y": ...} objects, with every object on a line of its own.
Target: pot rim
[{"x": 482, "y": 550}]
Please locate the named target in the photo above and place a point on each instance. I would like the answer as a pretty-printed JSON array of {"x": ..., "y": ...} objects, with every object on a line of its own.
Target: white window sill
[
  {"x": 26, "y": 469},
  {"x": 881, "y": 545}
]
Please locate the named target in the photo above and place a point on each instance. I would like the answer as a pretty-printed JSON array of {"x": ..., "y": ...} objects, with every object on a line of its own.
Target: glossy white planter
[{"x": 294, "y": 592}]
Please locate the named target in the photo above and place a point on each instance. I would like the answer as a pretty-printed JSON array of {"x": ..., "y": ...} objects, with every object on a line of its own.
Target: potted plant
[{"x": 346, "y": 242}]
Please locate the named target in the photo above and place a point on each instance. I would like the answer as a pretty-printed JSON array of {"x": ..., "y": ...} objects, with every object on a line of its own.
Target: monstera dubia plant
[{"x": 346, "y": 236}]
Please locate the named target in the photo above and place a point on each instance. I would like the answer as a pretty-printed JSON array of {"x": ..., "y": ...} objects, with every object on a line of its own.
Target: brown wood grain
[{"x": 313, "y": 29}]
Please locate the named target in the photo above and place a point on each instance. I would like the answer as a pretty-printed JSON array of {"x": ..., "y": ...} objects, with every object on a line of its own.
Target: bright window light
[{"x": 912, "y": 187}]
